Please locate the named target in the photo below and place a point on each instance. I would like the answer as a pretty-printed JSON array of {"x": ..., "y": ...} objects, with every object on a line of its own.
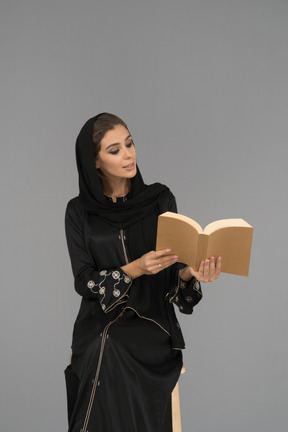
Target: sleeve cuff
[
  {"x": 185, "y": 295},
  {"x": 111, "y": 288}
]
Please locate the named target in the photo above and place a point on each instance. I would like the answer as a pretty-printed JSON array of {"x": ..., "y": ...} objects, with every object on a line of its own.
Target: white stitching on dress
[
  {"x": 183, "y": 284},
  {"x": 116, "y": 275},
  {"x": 127, "y": 279}
]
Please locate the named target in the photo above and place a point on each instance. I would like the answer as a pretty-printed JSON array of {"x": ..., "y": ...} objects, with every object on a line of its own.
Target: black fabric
[
  {"x": 143, "y": 198},
  {"x": 95, "y": 246},
  {"x": 137, "y": 375},
  {"x": 72, "y": 388},
  {"x": 167, "y": 423}
]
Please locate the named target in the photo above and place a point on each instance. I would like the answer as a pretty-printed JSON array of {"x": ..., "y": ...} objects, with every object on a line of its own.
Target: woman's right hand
[
  {"x": 154, "y": 262},
  {"x": 150, "y": 263}
]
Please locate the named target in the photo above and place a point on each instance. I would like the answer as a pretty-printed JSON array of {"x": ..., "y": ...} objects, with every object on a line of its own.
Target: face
[{"x": 117, "y": 155}]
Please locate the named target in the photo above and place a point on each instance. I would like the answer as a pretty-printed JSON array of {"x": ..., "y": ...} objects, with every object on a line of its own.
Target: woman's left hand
[{"x": 209, "y": 270}]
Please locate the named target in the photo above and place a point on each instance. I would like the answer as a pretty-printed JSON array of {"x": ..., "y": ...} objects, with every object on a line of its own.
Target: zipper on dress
[{"x": 123, "y": 238}]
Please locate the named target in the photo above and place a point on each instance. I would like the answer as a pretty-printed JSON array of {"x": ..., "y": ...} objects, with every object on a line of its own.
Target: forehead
[{"x": 116, "y": 135}]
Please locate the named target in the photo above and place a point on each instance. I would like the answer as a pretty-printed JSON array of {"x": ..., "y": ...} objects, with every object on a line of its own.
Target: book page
[
  {"x": 179, "y": 217},
  {"x": 223, "y": 223},
  {"x": 233, "y": 244},
  {"x": 179, "y": 235}
]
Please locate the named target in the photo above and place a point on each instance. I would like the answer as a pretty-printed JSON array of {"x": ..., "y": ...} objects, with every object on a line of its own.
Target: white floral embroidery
[
  {"x": 181, "y": 307},
  {"x": 182, "y": 284},
  {"x": 103, "y": 272},
  {"x": 197, "y": 285},
  {"x": 176, "y": 298},
  {"x": 116, "y": 274},
  {"x": 91, "y": 284},
  {"x": 116, "y": 293},
  {"x": 188, "y": 299},
  {"x": 127, "y": 279},
  {"x": 103, "y": 306},
  {"x": 102, "y": 290}
]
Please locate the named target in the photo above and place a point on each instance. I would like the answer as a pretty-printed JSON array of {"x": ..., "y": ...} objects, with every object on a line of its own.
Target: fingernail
[{"x": 168, "y": 250}]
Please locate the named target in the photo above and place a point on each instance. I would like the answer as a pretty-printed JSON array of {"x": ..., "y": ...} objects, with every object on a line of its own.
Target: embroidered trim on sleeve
[
  {"x": 102, "y": 290},
  {"x": 183, "y": 299}
]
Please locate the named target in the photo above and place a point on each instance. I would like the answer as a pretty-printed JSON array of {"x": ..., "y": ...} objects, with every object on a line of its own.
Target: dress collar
[{"x": 119, "y": 199}]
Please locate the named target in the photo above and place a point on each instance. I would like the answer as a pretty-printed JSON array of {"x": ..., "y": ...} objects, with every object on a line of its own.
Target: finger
[
  {"x": 201, "y": 270},
  {"x": 206, "y": 270},
  {"x": 167, "y": 262},
  {"x": 218, "y": 265},
  {"x": 194, "y": 273},
  {"x": 212, "y": 269},
  {"x": 160, "y": 253}
]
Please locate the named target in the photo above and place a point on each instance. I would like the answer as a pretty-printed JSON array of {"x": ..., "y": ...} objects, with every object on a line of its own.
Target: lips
[{"x": 130, "y": 166}]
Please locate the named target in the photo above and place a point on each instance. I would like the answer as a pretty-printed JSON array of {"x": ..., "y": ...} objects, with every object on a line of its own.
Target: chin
[{"x": 131, "y": 174}]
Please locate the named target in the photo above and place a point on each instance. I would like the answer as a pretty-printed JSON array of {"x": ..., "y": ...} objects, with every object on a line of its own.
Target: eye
[
  {"x": 130, "y": 144},
  {"x": 114, "y": 152}
]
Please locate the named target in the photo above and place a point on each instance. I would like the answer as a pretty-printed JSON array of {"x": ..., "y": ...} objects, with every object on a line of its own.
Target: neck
[{"x": 115, "y": 188}]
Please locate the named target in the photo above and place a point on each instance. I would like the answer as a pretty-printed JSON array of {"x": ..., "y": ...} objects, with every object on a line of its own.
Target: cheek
[{"x": 110, "y": 164}]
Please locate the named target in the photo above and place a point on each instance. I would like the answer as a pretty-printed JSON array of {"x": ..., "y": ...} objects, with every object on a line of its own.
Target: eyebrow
[{"x": 115, "y": 144}]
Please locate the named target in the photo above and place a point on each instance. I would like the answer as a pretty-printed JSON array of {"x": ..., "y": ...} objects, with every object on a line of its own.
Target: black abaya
[
  {"x": 124, "y": 329},
  {"x": 126, "y": 349},
  {"x": 132, "y": 390}
]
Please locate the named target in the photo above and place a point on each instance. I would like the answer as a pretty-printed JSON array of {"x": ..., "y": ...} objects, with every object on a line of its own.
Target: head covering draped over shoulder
[{"x": 143, "y": 199}]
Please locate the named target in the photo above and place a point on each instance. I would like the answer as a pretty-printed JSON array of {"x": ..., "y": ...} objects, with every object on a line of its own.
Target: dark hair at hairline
[{"x": 103, "y": 124}]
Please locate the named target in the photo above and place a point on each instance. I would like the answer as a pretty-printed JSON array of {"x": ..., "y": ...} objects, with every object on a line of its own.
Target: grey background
[{"x": 202, "y": 85}]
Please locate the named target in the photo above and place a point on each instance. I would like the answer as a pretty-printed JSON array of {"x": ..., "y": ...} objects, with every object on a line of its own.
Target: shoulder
[
  {"x": 167, "y": 201},
  {"x": 167, "y": 194},
  {"x": 75, "y": 210}
]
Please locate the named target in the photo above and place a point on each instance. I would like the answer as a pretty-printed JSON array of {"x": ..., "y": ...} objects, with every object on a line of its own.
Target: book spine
[{"x": 203, "y": 241}]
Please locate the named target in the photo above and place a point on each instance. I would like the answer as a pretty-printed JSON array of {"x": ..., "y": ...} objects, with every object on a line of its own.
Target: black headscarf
[{"x": 143, "y": 199}]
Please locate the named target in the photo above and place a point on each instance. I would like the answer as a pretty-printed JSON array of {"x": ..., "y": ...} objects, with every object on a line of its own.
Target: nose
[{"x": 127, "y": 153}]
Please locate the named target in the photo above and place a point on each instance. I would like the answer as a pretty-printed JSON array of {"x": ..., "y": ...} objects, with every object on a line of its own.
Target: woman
[{"x": 126, "y": 349}]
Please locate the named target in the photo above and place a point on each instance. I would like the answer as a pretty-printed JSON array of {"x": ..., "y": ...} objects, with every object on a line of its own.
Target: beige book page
[
  {"x": 223, "y": 223},
  {"x": 233, "y": 244},
  {"x": 178, "y": 234}
]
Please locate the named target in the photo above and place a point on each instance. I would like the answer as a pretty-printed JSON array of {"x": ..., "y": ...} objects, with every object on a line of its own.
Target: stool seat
[{"x": 175, "y": 401}]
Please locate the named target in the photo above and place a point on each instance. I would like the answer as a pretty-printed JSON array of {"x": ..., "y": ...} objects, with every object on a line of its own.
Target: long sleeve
[
  {"x": 185, "y": 295},
  {"x": 109, "y": 286}
]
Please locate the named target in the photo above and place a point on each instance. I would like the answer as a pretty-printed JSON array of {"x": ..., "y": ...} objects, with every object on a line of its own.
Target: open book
[{"x": 229, "y": 238}]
